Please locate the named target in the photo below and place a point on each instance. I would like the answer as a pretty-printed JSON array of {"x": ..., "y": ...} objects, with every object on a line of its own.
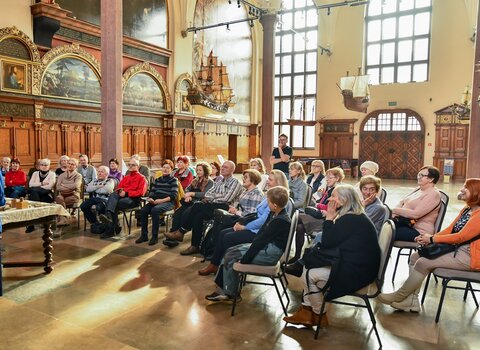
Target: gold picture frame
[{"x": 14, "y": 76}]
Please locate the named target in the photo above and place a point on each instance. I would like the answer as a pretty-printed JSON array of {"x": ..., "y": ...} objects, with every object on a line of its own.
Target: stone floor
[{"x": 114, "y": 294}]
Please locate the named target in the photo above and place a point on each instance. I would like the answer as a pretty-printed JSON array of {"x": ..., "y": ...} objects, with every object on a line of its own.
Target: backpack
[
  {"x": 209, "y": 240},
  {"x": 180, "y": 196}
]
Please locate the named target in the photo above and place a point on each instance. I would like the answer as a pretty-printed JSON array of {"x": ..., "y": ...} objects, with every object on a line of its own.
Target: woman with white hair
[
  {"x": 257, "y": 164},
  {"x": 99, "y": 190},
  {"x": 348, "y": 229},
  {"x": 62, "y": 165}
]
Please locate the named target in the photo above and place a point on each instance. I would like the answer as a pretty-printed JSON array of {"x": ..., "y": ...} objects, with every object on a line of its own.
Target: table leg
[{"x": 47, "y": 247}]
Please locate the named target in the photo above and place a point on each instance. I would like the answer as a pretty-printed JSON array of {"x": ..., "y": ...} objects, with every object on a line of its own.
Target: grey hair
[
  {"x": 135, "y": 160},
  {"x": 7, "y": 158},
  {"x": 45, "y": 160},
  {"x": 349, "y": 199},
  {"x": 104, "y": 168},
  {"x": 64, "y": 157}
]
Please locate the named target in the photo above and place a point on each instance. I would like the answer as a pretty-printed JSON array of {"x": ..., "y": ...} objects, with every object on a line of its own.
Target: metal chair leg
[
  {"x": 442, "y": 297},
  {"x": 279, "y": 296},
  {"x": 396, "y": 264},
  {"x": 322, "y": 309},
  {"x": 425, "y": 288},
  {"x": 374, "y": 321}
]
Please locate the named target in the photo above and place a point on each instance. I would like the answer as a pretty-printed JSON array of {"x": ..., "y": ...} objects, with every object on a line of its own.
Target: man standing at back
[{"x": 281, "y": 155}]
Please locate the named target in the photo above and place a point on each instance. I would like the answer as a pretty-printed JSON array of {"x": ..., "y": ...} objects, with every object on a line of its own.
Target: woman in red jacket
[
  {"x": 15, "y": 181},
  {"x": 183, "y": 172},
  {"x": 464, "y": 232}
]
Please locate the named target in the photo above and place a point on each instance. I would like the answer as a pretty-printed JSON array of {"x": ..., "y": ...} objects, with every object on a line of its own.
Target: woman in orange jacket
[{"x": 464, "y": 232}]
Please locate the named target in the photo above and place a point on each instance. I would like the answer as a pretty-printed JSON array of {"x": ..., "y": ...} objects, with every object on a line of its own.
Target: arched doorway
[{"x": 395, "y": 140}]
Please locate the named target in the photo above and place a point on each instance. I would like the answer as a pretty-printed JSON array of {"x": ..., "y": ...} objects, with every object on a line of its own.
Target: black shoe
[
  {"x": 107, "y": 234},
  {"x": 295, "y": 269},
  {"x": 30, "y": 228},
  {"x": 97, "y": 228},
  {"x": 105, "y": 219},
  {"x": 170, "y": 243},
  {"x": 118, "y": 229},
  {"x": 141, "y": 239},
  {"x": 162, "y": 222},
  {"x": 292, "y": 260},
  {"x": 153, "y": 240}
]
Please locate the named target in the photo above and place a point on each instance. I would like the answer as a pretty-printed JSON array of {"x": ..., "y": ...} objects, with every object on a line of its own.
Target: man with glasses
[
  {"x": 142, "y": 169},
  {"x": 126, "y": 196},
  {"x": 281, "y": 155}
]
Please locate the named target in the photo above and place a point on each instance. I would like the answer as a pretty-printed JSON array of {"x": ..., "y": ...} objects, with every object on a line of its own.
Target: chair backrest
[
  {"x": 291, "y": 235},
  {"x": 383, "y": 195},
  {"x": 291, "y": 206},
  {"x": 444, "y": 199},
  {"x": 385, "y": 241},
  {"x": 388, "y": 212},
  {"x": 308, "y": 197}
]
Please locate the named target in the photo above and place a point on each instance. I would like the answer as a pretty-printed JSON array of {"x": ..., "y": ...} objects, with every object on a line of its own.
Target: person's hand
[
  {"x": 423, "y": 239},
  {"x": 238, "y": 227},
  {"x": 369, "y": 200},
  {"x": 187, "y": 199},
  {"x": 232, "y": 210},
  {"x": 324, "y": 213},
  {"x": 331, "y": 209},
  {"x": 121, "y": 193}
]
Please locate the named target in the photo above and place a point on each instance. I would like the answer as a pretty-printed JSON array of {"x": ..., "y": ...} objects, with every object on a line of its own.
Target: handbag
[
  {"x": 435, "y": 250},
  {"x": 401, "y": 221},
  {"x": 224, "y": 218},
  {"x": 317, "y": 256},
  {"x": 314, "y": 212},
  {"x": 243, "y": 220}
]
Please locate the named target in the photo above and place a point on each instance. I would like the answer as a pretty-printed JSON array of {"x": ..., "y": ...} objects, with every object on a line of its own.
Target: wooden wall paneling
[
  {"x": 199, "y": 141},
  {"x": 7, "y": 132},
  {"x": 127, "y": 142},
  {"x": 253, "y": 142},
  {"x": 460, "y": 140},
  {"x": 140, "y": 142},
  {"x": 24, "y": 145},
  {"x": 94, "y": 144},
  {"x": 243, "y": 152},
  {"x": 156, "y": 148},
  {"x": 52, "y": 142},
  {"x": 179, "y": 142},
  {"x": 76, "y": 144},
  {"x": 188, "y": 142}
]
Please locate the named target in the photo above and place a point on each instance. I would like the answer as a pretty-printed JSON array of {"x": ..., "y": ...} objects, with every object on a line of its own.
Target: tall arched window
[
  {"x": 398, "y": 40},
  {"x": 296, "y": 72}
]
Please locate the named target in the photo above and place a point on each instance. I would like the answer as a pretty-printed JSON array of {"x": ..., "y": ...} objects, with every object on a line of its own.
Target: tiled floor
[{"x": 115, "y": 294}]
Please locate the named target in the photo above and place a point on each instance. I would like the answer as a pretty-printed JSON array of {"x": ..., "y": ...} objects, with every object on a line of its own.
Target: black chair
[
  {"x": 383, "y": 195},
  {"x": 411, "y": 246}
]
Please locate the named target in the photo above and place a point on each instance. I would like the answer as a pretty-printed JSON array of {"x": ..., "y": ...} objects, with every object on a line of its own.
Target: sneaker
[{"x": 221, "y": 298}]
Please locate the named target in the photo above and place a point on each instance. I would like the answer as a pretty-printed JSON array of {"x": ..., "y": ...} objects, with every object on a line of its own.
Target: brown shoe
[
  {"x": 323, "y": 323},
  {"x": 174, "y": 236},
  {"x": 190, "y": 250},
  {"x": 210, "y": 269},
  {"x": 303, "y": 316}
]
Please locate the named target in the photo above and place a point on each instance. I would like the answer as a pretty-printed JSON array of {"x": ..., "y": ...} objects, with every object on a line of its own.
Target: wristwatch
[{"x": 431, "y": 239}]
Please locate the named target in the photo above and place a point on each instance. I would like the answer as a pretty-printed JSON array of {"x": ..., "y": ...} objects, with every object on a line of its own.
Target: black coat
[{"x": 357, "y": 240}]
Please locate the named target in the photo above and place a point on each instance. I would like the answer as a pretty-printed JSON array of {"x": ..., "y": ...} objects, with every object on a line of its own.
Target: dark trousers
[
  {"x": 155, "y": 211},
  {"x": 39, "y": 194},
  {"x": 180, "y": 215},
  {"x": 404, "y": 233},
  {"x": 15, "y": 191},
  {"x": 116, "y": 203},
  {"x": 228, "y": 238},
  {"x": 87, "y": 205},
  {"x": 201, "y": 212}
]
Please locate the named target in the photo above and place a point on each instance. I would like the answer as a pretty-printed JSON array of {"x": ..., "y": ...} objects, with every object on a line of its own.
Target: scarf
[{"x": 43, "y": 175}]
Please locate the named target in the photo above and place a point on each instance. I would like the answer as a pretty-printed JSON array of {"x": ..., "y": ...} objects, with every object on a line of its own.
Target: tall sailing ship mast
[{"x": 212, "y": 87}]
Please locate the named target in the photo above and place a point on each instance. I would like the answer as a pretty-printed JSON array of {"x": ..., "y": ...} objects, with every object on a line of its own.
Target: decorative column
[
  {"x": 473, "y": 155},
  {"x": 268, "y": 76},
  {"x": 111, "y": 46}
]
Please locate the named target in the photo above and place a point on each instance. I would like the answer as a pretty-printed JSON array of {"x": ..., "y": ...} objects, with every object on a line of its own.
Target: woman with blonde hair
[
  {"x": 257, "y": 164},
  {"x": 348, "y": 229},
  {"x": 297, "y": 184},
  {"x": 316, "y": 179},
  {"x": 62, "y": 165}
]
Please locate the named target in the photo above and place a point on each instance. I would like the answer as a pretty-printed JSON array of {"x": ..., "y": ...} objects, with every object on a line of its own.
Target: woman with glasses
[
  {"x": 421, "y": 205},
  {"x": 316, "y": 179}
]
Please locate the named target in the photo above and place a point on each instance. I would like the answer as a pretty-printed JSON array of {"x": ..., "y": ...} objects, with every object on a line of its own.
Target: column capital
[{"x": 268, "y": 21}]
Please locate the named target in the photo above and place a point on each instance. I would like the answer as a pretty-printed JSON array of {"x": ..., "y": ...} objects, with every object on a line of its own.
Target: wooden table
[{"x": 38, "y": 213}]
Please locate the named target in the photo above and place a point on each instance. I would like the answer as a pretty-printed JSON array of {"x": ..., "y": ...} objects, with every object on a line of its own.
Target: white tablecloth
[{"x": 35, "y": 210}]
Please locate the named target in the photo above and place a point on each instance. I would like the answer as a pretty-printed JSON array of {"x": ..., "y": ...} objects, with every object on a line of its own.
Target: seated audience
[
  {"x": 142, "y": 169},
  {"x": 42, "y": 183},
  {"x": 15, "y": 181},
  {"x": 257, "y": 164},
  {"x": 215, "y": 175},
  {"x": 68, "y": 186},
  {"x": 422, "y": 205},
  {"x": 316, "y": 179},
  {"x": 127, "y": 195},
  {"x": 220, "y": 196},
  {"x": 266, "y": 248},
  {"x": 88, "y": 172},
  {"x": 114, "y": 171},
  {"x": 195, "y": 192},
  {"x": 312, "y": 220},
  {"x": 347, "y": 228},
  {"x": 5, "y": 166},
  {"x": 374, "y": 208},
  {"x": 297, "y": 184},
  {"x": 160, "y": 199},
  {"x": 62, "y": 165},
  {"x": 246, "y": 233},
  {"x": 182, "y": 172},
  {"x": 99, "y": 190},
  {"x": 463, "y": 233}
]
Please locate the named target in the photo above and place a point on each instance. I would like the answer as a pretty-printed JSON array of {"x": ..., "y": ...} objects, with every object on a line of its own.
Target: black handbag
[
  {"x": 317, "y": 256},
  {"x": 401, "y": 221},
  {"x": 224, "y": 218},
  {"x": 314, "y": 212},
  {"x": 243, "y": 220},
  {"x": 435, "y": 250}
]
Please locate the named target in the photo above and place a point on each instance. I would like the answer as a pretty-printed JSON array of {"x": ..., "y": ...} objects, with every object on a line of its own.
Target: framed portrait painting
[{"x": 14, "y": 76}]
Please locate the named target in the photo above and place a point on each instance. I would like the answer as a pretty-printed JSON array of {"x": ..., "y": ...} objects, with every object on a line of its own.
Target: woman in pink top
[{"x": 422, "y": 205}]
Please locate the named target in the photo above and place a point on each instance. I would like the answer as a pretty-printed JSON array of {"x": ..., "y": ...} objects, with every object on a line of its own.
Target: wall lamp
[{"x": 350, "y": 3}]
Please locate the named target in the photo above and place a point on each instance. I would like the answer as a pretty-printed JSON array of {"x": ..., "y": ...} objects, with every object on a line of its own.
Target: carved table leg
[{"x": 47, "y": 247}]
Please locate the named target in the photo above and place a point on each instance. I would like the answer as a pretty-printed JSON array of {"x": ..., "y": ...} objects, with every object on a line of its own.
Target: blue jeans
[
  {"x": 155, "y": 211},
  {"x": 227, "y": 278},
  {"x": 87, "y": 205}
]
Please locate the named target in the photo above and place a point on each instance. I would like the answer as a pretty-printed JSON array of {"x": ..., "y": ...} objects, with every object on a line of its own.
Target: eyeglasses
[
  {"x": 72, "y": 164},
  {"x": 132, "y": 164},
  {"x": 43, "y": 164},
  {"x": 420, "y": 175}
]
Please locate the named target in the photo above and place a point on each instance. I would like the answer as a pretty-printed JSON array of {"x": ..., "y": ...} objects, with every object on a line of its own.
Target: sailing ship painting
[
  {"x": 355, "y": 91},
  {"x": 211, "y": 86}
]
